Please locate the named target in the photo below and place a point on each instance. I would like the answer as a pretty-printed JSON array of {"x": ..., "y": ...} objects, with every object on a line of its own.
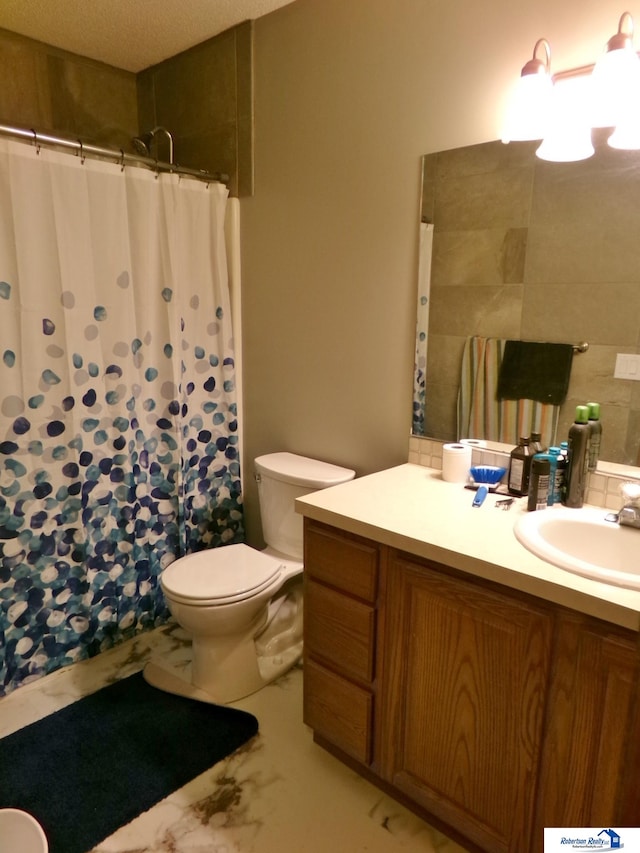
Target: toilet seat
[{"x": 219, "y": 576}]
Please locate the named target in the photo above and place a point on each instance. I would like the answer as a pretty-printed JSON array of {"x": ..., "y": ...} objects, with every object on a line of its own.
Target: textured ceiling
[{"x": 129, "y": 34}]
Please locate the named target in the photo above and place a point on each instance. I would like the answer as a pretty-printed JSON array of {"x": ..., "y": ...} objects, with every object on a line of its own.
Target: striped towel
[{"x": 482, "y": 415}]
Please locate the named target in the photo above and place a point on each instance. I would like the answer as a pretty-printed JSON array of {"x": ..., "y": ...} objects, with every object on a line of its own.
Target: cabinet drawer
[
  {"x": 346, "y": 562},
  {"x": 340, "y": 630},
  {"x": 338, "y": 711}
]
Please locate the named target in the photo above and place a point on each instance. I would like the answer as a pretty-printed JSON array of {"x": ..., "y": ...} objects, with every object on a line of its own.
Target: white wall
[{"x": 348, "y": 95}]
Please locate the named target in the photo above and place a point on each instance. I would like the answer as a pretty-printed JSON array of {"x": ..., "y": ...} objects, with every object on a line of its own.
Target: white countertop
[{"x": 410, "y": 507}]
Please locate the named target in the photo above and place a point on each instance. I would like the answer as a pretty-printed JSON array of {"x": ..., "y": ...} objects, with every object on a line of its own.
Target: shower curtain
[
  {"x": 118, "y": 418},
  {"x": 422, "y": 328}
]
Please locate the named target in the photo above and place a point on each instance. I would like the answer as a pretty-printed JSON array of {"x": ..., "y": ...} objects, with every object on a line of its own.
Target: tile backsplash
[{"x": 603, "y": 488}]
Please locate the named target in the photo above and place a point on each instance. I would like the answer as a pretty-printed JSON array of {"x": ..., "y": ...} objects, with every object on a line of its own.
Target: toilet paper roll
[
  {"x": 456, "y": 461},
  {"x": 474, "y": 442}
]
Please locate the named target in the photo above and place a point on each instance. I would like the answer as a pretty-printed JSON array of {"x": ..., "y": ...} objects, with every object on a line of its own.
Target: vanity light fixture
[
  {"x": 616, "y": 77},
  {"x": 528, "y": 113},
  {"x": 562, "y": 108},
  {"x": 568, "y": 136}
]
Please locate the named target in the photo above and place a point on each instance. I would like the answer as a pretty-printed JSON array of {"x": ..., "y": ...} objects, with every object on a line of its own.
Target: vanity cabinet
[
  {"x": 590, "y": 770},
  {"x": 341, "y": 585},
  {"x": 491, "y": 711},
  {"x": 465, "y": 669}
]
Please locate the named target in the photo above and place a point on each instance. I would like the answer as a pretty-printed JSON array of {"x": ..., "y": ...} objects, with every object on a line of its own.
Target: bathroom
[{"x": 347, "y": 98}]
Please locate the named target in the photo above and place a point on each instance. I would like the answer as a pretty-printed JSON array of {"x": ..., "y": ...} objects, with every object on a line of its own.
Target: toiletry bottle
[
  {"x": 595, "y": 435},
  {"x": 558, "y": 468},
  {"x": 539, "y": 482},
  {"x": 519, "y": 468},
  {"x": 535, "y": 443},
  {"x": 551, "y": 455},
  {"x": 578, "y": 460}
]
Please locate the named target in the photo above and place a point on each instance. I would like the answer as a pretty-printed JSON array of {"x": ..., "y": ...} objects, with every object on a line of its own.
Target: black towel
[{"x": 535, "y": 371}]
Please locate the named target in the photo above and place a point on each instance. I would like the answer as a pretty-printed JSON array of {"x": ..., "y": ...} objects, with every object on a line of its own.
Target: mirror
[{"x": 538, "y": 251}]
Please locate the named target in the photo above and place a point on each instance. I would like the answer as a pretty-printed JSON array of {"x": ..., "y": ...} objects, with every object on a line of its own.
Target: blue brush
[
  {"x": 486, "y": 478},
  {"x": 487, "y": 475},
  {"x": 480, "y": 496}
]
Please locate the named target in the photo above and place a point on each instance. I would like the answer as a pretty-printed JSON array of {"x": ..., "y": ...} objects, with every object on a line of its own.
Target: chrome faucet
[{"x": 629, "y": 515}]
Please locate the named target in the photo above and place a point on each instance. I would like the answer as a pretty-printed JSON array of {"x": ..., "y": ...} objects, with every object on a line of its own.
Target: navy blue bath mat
[{"x": 98, "y": 763}]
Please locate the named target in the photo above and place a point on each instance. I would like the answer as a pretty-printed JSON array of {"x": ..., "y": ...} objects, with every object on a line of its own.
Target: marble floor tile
[{"x": 279, "y": 793}]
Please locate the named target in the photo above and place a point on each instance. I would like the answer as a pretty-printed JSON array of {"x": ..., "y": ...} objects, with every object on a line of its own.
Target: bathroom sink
[{"x": 581, "y": 541}]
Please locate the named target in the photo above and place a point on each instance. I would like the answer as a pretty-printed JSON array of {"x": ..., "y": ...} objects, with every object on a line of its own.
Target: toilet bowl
[
  {"x": 21, "y": 832},
  {"x": 243, "y": 607}
]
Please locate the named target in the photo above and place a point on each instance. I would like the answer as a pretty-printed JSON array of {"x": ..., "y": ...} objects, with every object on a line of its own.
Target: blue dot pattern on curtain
[{"x": 115, "y": 458}]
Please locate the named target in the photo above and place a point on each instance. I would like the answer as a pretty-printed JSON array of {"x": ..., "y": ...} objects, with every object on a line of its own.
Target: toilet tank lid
[{"x": 302, "y": 471}]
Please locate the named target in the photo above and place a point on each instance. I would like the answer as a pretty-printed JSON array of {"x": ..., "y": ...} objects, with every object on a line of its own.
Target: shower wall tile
[
  {"x": 444, "y": 358},
  {"x": 61, "y": 93},
  {"x": 244, "y": 105},
  {"x": 197, "y": 86},
  {"x": 592, "y": 377},
  {"x": 543, "y": 251},
  {"x": 631, "y": 446},
  {"x": 461, "y": 310},
  {"x": 582, "y": 253},
  {"x": 24, "y": 94},
  {"x": 441, "y": 411},
  {"x": 220, "y": 144},
  {"x": 606, "y": 314},
  {"x": 203, "y": 96},
  {"x": 484, "y": 256},
  {"x": 497, "y": 199},
  {"x": 484, "y": 158},
  {"x": 601, "y": 191},
  {"x": 97, "y": 101}
]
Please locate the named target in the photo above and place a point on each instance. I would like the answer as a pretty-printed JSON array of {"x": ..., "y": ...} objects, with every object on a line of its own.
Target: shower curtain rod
[{"x": 82, "y": 149}]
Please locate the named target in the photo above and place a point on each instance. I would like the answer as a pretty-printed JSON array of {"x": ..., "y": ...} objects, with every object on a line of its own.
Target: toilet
[{"x": 243, "y": 607}]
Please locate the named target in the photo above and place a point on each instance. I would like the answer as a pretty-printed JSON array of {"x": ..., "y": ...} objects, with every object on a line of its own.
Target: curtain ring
[
  {"x": 122, "y": 160},
  {"x": 81, "y": 154},
  {"x": 35, "y": 141}
]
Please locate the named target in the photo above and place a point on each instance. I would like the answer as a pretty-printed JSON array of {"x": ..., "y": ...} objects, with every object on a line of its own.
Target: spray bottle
[{"x": 577, "y": 466}]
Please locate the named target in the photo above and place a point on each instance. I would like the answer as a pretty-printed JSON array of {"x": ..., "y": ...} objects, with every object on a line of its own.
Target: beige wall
[{"x": 348, "y": 95}]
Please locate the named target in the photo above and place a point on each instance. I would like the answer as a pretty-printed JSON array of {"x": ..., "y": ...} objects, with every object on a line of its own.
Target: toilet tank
[{"x": 283, "y": 477}]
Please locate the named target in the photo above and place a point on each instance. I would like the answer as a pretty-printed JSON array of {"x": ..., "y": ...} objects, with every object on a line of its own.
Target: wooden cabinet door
[
  {"x": 461, "y": 696},
  {"x": 589, "y": 771}
]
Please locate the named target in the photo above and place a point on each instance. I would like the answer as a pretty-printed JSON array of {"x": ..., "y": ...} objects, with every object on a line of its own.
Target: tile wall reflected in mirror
[{"x": 532, "y": 250}]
